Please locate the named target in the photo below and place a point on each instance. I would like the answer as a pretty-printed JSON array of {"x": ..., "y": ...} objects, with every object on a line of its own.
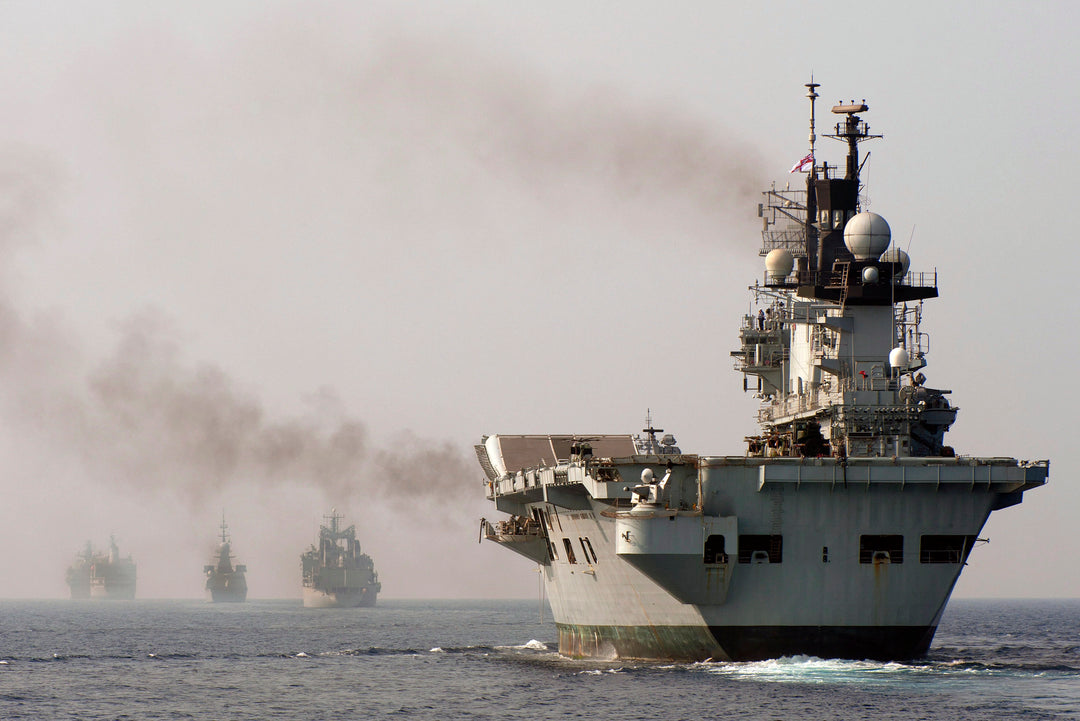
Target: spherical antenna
[
  {"x": 867, "y": 236},
  {"x": 899, "y": 359},
  {"x": 778, "y": 264},
  {"x": 895, "y": 255},
  {"x": 870, "y": 275}
]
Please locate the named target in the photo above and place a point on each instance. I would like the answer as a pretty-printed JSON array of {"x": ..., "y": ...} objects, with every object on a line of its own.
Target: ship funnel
[{"x": 867, "y": 236}]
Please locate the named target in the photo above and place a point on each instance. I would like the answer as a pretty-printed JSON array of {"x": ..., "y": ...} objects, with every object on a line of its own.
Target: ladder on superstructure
[{"x": 844, "y": 286}]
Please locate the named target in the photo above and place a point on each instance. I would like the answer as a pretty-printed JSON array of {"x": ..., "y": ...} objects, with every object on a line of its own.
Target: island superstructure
[
  {"x": 226, "y": 583},
  {"x": 842, "y": 529},
  {"x": 103, "y": 576},
  {"x": 336, "y": 574}
]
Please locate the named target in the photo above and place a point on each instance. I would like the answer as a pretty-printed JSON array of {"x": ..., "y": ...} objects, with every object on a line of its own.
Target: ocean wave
[
  {"x": 532, "y": 645},
  {"x": 813, "y": 670},
  {"x": 600, "y": 671}
]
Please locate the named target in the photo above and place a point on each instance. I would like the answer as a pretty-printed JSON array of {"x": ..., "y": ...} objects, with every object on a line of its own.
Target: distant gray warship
[
  {"x": 98, "y": 575},
  {"x": 226, "y": 583},
  {"x": 336, "y": 573},
  {"x": 844, "y": 527}
]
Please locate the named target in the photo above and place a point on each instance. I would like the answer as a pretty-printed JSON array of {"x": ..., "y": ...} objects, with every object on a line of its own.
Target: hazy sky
[{"x": 274, "y": 258}]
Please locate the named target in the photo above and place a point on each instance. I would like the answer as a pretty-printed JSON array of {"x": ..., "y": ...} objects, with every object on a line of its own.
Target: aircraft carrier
[{"x": 843, "y": 527}]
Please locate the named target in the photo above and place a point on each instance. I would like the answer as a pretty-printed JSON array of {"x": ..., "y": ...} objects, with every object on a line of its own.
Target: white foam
[{"x": 808, "y": 669}]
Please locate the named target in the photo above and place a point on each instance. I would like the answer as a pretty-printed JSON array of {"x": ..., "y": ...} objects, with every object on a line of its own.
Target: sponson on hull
[{"x": 843, "y": 528}]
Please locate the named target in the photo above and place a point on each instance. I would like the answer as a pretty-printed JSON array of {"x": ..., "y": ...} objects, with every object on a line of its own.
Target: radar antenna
[
  {"x": 649, "y": 428},
  {"x": 852, "y": 130}
]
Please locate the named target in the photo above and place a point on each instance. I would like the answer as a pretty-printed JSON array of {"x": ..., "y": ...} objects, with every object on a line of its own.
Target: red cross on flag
[{"x": 807, "y": 160}]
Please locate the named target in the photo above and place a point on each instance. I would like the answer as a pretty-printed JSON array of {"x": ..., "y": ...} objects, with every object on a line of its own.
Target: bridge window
[
  {"x": 714, "y": 550},
  {"x": 881, "y": 549},
  {"x": 945, "y": 549},
  {"x": 761, "y": 549},
  {"x": 570, "y": 557}
]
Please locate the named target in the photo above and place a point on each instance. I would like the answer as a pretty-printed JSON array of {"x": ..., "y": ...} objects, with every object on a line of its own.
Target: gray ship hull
[
  {"x": 226, "y": 591},
  {"x": 634, "y": 582},
  {"x": 744, "y": 643},
  {"x": 228, "y": 597},
  {"x": 343, "y": 598},
  {"x": 112, "y": 590}
]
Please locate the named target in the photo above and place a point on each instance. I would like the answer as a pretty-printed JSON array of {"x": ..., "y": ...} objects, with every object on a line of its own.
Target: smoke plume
[{"x": 233, "y": 133}]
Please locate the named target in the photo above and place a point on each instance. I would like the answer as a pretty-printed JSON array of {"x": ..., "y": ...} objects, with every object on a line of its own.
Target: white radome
[
  {"x": 898, "y": 358},
  {"x": 778, "y": 264},
  {"x": 867, "y": 236},
  {"x": 895, "y": 255}
]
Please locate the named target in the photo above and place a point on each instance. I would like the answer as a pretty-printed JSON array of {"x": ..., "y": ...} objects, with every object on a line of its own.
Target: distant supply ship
[
  {"x": 336, "y": 573},
  {"x": 98, "y": 575},
  {"x": 224, "y": 582},
  {"x": 842, "y": 529}
]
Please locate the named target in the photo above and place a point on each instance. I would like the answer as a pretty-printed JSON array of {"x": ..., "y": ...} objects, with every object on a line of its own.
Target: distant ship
[
  {"x": 336, "y": 573},
  {"x": 98, "y": 575},
  {"x": 224, "y": 582},
  {"x": 840, "y": 531}
]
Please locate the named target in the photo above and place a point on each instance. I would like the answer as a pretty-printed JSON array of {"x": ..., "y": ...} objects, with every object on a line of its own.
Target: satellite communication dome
[
  {"x": 778, "y": 264},
  {"x": 898, "y": 358},
  {"x": 895, "y": 255},
  {"x": 870, "y": 274},
  {"x": 867, "y": 235}
]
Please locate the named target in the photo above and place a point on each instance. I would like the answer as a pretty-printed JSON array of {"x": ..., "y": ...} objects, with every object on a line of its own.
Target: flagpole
[{"x": 811, "y": 200}]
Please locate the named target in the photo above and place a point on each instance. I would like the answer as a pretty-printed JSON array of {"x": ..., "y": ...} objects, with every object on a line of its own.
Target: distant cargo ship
[
  {"x": 98, "y": 575},
  {"x": 226, "y": 583},
  {"x": 336, "y": 573}
]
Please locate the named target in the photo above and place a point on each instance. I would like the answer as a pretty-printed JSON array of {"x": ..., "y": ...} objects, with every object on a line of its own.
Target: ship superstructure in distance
[
  {"x": 225, "y": 583},
  {"x": 843, "y": 527},
  {"x": 336, "y": 573},
  {"x": 100, "y": 575}
]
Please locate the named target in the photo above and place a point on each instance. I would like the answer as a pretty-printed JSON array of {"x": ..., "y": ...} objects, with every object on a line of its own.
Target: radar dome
[
  {"x": 867, "y": 235},
  {"x": 895, "y": 255},
  {"x": 778, "y": 264},
  {"x": 898, "y": 358},
  {"x": 870, "y": 274}
]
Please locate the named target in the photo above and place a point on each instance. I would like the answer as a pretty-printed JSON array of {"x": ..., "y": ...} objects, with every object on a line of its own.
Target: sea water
[{"x": 495, "y": 660}]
